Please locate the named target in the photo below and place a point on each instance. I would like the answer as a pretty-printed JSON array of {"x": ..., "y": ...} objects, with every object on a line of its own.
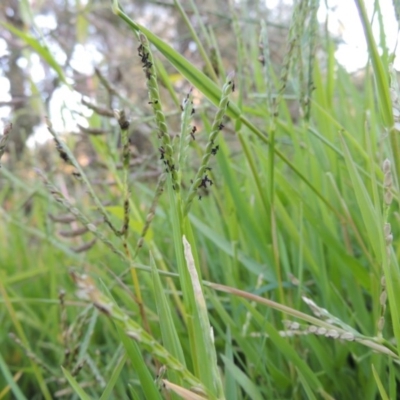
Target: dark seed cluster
[
  {"x": 61, "y": 151},
  {"x": 76, "y": 174},
  {"x": 204, "y": 181},
  {"x": 192, "y": 132},
  {"x": 123, "y": 121},
  {"x": 64, "y": 156},
  {"x": 169, "y": 166},
  {"x": 162, "y": 152},
  {"x": 145, "y": 60},
  {"x": 214, "y": 150},
  {"x": 261, "y": 58}
]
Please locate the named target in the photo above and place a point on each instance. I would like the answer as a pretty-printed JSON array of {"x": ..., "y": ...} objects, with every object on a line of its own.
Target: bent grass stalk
[
  {"x": 376, "y": 344},
  {"x": 60, "y": 198},
  {"x": 202, "y": 313},
  {"x": 87, "y": 289},
  {"x": 124, "y": 125},
  {"x": 69, "y": 157}
]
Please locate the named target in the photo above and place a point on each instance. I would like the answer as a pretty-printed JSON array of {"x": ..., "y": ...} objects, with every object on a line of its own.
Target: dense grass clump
[{"x": 249, "y": 254}]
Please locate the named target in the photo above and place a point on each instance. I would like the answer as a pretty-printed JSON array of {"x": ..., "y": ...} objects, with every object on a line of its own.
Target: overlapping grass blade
[{"x": 75, "y": 385}]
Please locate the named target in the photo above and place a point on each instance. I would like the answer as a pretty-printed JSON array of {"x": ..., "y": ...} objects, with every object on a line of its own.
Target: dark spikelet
[
  {"x": 122, "y": 120},
  {"x": 125, "y": 226},
  {"x": 62, "y": 219},
  {"x": 61, "y": 151},
  {"x": 92, "y": 131},
  {"x": 103, "y": 111},
  {"x": 3, "y": 140},
  {"x": 74, "y": 233},
  {"x": 84, "y": 247}
]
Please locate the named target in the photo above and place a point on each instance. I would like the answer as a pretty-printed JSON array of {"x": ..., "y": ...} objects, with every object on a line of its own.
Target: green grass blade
[
  {"x": 246, "y": 384},
  {"x": 382, "y": 84},
  {"x": 168, "y": 331},
  {"x": 378, "y": 381},
  {"x": 292, "y": 355},
  {"x": 10, "y": 381},
  {"x": 196, "y": 38},
  {"x": 114, "y": 378},
  {"x": 75, "y": 385},
  {"x": 206, "y": 334},
  {"x": 231, "y": 390},
  {"x": 146, "y": 379},
  {"x": 40, "y": 49}
]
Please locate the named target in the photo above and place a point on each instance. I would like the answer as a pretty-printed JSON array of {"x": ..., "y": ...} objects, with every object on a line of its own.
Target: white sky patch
[
  {"x": 66, "y": 110},
  {"x": 275, "y": 3},
  {"x": 3, "y": 47},
  {"x": 40, "y": 136},
  {"x": 56, "y": 51},
  {"x": 84, "y": 58},
  {"x": 344, "y": 21},
  {"x": 36, "y": 70},
  {"x": 5, "y": 88},
  {"x": 47, "y": 21},
  {"x": 4, "y": 96}
]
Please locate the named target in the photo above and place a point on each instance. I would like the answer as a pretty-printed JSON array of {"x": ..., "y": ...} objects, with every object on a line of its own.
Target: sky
[{"x": 343, "y": 21}]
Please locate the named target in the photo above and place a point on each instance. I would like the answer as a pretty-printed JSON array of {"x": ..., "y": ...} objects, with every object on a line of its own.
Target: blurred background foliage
[{"x": 84, "y": 35}]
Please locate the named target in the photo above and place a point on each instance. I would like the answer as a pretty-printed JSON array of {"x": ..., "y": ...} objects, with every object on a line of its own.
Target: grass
[{"x": 260, "y": 265}]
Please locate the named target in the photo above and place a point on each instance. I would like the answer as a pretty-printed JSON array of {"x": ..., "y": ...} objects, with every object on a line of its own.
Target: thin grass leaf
[
  {"x": 114, "y": 378},
  {"x": 166, "y": 80},
  {"x": 381, "y": 75},
  {"x": 206, "y": 332},
  {"x": 75, "y": 385},
  {"x": 250, "y": 264},
  {"x": 84, "y": 346},
  {"x": 382, "y": 390},
  {"x": 21, "y": 334},
  {"x": 292, "y": 355},
  {"x": 133, "y": 330},
  {"x": 195, "y": 37},
  {"x": 168, "y": 331},
  {"x": 40, "y": 49},
  {"x": 242, "y": 380},
  {"x": 182, "y": 392},
  {"x": 230, "y": 387},
  {"x": 382, "y": 84},
  {"x": 10, "y": 381},
  {"x": 372, "y": 221},
  {"x": 146, "y": 379}
]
